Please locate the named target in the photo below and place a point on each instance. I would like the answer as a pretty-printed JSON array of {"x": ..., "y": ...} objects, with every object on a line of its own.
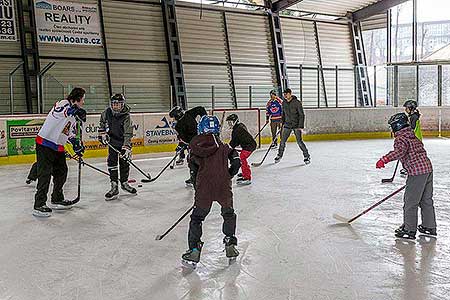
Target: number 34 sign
[{"x": 7, "y": 21}]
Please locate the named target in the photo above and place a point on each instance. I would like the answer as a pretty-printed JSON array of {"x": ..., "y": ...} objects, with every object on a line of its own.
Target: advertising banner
[
  {"x": 158, "y": 129},
  {"x": 67, "y": 23},
  {"x": 90, "y": 132},
  {"x": 7, "y": 21},
  {"x": 21, "y": 136}
]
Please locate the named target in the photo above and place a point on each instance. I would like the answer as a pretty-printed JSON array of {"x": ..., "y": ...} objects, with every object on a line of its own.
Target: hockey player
[
  {"x": 419, "y": 185},
  {"x": 212, "y": 179},
  {"x": 293, "y": 119},
  {"x": 241, "y": 137},
  {"x": 186, "y": 128},
  {"x": 414, "y": 121},
  {"x": 274, "y": 115},
  {"x": 116, "y": 129},
  {"x": 59, "y": 127}
]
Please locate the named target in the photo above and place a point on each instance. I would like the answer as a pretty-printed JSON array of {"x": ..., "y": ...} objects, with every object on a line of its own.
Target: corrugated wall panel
[
  {"x": 335, "y": 44},
  {"x": 309, "y": 86},
  {"x": 146, "y": 86},
  {"x": 89, "y": 75},
  {"x": 250, "y": 41},
  {"x": 134, "y": 31},
  {"x": 346, "y": 89},
  {"x": 6, "y": 65},
  {"x": 299, "y": 42},
  {"x": 201, "y": 39},
  {"x": 75, "y": 51},
  {"x": 260, "y": 78},
  {"x": 200, "y": 78}
]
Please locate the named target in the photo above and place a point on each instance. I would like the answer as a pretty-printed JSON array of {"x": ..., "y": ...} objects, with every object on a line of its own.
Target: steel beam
[
  {"x": 282, "y": 5},
  {"x": 374, "y": 9}
]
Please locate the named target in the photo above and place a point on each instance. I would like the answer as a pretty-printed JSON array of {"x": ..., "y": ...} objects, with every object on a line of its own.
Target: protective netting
[{"x": 250, "y": 117}]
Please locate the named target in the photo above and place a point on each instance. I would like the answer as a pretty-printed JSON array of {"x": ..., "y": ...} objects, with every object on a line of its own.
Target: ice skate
[
  {"x": 179, "y": 162},
  {"x": 61, "y": 204},
  {"x": 273, "y": 146},
  {"x": 404, "y": 234},
  {"x": 427, "y": 231},
  {"x": 307, "y": 160},
  {"x": 277, "y": 159},
  {"x": 29, "y": 181},
  {"x": 240, "y": 175},
  {"x": 230, "y": 248},
  {"x": 113, "y": 193},
  {"x": 43, "y": 211},
  {"x": 128, "y": 188},
  {"x": 191, "y": 257}
]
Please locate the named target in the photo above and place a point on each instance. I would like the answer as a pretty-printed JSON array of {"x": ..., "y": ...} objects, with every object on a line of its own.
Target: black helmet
[
  {"x": 273, "y": 92},
  {"x": 232, "y": 120},
  {"x": 177, "y": 113},
  {"x": 117, "y": 103},
  {"x": 398, "y": 122},
  {"x": 411, "y": 104}
]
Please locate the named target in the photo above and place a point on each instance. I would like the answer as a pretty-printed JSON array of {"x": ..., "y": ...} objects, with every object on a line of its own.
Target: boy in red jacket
[
  {"x": 419, "y": 185},
  {"x": 213, "y": 164}
]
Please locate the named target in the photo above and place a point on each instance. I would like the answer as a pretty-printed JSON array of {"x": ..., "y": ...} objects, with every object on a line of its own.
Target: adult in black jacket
[
  {"x": 241, "y": 137},
  {"x": 186, "y": 128},
  {"x": 293, "y": 119}
]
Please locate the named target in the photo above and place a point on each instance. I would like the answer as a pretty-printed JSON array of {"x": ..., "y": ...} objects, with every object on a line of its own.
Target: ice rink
[{"x": 291, "y": 247}]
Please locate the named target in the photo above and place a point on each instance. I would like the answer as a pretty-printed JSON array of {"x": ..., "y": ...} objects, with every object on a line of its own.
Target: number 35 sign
[{"x": 7, "y": 21}]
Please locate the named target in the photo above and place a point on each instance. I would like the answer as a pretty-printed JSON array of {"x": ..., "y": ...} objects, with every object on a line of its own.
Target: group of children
[{"x": 212, "y": 163}]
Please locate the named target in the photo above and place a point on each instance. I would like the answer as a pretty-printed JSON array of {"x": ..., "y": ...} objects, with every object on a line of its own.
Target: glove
[
  {"x": 126, "y": 152},
  {"x": 77, "y": 112},
  {"x": 78, "y": 146},
  {"x": 267, "y": 120},
  {"x": 381, "y": 162},
  {"x": 103, "y": 137}
]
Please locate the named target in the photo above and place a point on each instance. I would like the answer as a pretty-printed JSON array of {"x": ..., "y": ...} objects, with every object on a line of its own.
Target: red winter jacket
[{"x": 409, "y": 149}]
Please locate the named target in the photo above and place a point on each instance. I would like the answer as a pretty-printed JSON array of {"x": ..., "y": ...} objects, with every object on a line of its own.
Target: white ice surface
[{"x": 291, "y": 247}]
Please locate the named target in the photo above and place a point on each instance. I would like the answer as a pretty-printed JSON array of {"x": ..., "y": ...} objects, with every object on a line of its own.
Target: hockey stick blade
[
  {"x": 340, "y": 218},
  {"x": 158, "y": 237},
  {"x": 385, "y": 180},
  {"x": 256, "y": 164}
]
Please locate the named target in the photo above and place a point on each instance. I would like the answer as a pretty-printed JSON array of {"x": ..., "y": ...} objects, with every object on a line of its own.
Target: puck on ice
[{"x": 140, "y": 185}]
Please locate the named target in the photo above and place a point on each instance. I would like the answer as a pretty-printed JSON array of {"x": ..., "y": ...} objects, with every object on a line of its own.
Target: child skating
[
  {"x": 212, "y": 164},
  {"x": 419, "y": 184}
]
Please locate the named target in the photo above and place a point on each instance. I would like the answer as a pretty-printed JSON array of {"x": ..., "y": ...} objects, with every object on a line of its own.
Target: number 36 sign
[{"x": 7, "y": 21}]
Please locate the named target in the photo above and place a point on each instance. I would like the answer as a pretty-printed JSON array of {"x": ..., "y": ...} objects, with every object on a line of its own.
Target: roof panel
[{"x": 332, "y": 7}]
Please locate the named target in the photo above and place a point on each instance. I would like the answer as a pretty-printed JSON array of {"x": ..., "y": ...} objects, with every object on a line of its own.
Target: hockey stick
[
  {"x": 162, "y": 171},
  {"x": 173, "y": 163},
  {"x": 86, "y": 164},
  {"x": 392, "y": 178},
  {"x": 161, "y": 236},
  {"x": 79, "y": 133},
  {"x": 128, "y": 160},
  {"x": 267, "y": 152},
  {"x": 345, "y": 220},
  {"x": 260, "y": 131}
]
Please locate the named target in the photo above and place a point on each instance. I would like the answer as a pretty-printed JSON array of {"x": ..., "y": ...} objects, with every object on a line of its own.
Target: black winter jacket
[
  {"x": 241, "y": 137},
  {"x": 118, "y": 126},
  {"x": 293, "y": 114},
  {"x": 186, "y": 127}
]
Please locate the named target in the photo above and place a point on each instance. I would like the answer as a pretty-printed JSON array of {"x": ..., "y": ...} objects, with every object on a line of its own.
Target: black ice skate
[
  {"x": 307, "y": 160},
  {"x": 61, "y": 204},
  {"x": 113, "y": 193},
  {"x": 179, "y": 162},
  {"x": 43, "y": 211},
  {"x": 240, "y": 175},
  {"x": 230, "y": 248},
  {"x": 404, "y": 234},
  {"x": 191, "y": 257},
  {"x": 128, "y": 188},
  {"x": 277, "y": 159},
  {"x": 29, "y": 181},
  {"x": 273, "y": 146},
  {"x": 427, "y": 231}
]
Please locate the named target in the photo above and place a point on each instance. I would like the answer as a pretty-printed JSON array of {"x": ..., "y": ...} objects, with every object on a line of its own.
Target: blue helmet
[{"x": 208, "y": 124}]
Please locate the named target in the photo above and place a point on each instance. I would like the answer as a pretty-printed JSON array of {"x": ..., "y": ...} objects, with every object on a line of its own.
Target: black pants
[
  {"x": 198, "y": 216},
  {"x": 124, "y": 166},
  {"x": 33, "y": 175},
  {"x": 49, "y": 163}
]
